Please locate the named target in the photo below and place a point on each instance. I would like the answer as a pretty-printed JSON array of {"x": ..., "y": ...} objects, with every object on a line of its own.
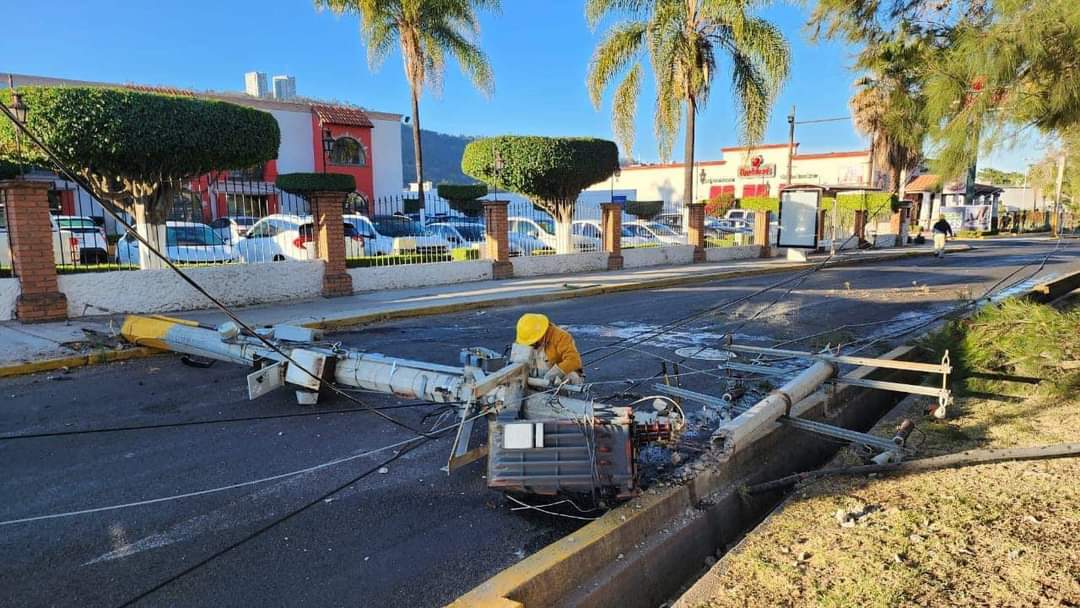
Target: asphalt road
[{"x": 411, "y": 536}]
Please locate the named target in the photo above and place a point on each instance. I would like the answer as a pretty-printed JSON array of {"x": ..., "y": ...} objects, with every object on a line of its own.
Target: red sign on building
[{"x": 758, "y": 168}]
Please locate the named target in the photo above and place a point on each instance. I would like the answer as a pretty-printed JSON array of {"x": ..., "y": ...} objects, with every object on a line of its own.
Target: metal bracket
[{"x": 264, "y": 380}]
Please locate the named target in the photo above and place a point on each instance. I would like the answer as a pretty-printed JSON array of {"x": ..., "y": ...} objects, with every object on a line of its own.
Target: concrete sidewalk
[{"x": 39, "y": 347}]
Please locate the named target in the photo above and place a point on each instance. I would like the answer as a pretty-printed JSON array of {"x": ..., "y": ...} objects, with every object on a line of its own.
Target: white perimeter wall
[
  {"x": 296, "y": 153},
  {"x": 9, "y": 290},
  {"x": 657, "y": 256},
  {"x": 535, "y": 265},
  {"x": 419, "y": 275},
  {"x": 386, "y": 157},
  {"x": 720, "y": 254},
  {"x": 152, "y": 291}
]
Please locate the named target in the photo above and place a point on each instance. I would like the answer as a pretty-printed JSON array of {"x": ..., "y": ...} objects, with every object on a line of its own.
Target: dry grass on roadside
[{"x": 992, "y": 535}]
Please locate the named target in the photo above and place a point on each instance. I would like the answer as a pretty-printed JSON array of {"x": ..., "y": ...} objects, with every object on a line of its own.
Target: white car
[
  {"x": 590, "y": 229},
  {"x": 185, "y": 242},
  {"x": 657, "y": 232},
  {"x": 281, "y": 237},
  {"x": 471, "y": 235},
  {"x": 232, "y": 228},
  {"x": 739, "y": 214},
  {"x": 543, "y": 229},
  {"x": 84, "y": 236},
  {"x": 396, "y": 235},
  {"x": 64, "y": 249}
]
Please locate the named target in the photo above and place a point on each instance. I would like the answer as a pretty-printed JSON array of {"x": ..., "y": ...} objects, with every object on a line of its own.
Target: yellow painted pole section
[{"x": 149, "y": 331}]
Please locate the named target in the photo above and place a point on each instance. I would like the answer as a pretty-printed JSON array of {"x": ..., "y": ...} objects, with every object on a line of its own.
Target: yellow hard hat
[{"x": 531, "y": 327}]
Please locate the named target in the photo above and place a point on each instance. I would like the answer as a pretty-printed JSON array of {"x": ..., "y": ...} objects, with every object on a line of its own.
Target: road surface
[{"x": 411, "y": 536}]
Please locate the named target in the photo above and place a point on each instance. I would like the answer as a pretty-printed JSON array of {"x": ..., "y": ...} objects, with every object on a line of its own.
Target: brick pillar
[
  {"x": 326, "y": 211},
  {"x": 31, "y": 239},
  {"x": 860, "y": 226},
  {"x": 761, "y": 232},
  {"x": 695, "y": 230},
  {"x": 497, "y": 239},
  {"x": 611, "y": 234},
  {"x": 896, "y": 226}
]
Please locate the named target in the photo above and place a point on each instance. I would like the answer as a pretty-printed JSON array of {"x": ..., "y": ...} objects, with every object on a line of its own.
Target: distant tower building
[
  {"x": 255, "y": 84},
  {"x": 284, "y": 87}
]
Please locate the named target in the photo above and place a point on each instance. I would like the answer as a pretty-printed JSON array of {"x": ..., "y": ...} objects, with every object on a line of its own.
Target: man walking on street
[{"x": 941, "y": 230}]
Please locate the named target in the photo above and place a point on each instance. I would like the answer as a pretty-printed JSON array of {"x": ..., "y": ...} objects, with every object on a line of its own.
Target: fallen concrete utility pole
[
  {"x": 734, "y": 434},
  {"x": 540, "y": 439},
  {"x": 961, "y": 459},
  {"x": 891, "y": 449}
]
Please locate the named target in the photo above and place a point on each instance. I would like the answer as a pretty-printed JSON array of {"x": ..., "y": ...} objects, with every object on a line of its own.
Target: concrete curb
[
  {"x": 350, "y": 321},
  {"x": 92, "y": 358}
]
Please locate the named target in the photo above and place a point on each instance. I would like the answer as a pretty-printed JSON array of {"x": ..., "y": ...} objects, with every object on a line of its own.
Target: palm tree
[
  {"x": 427, "y": 31},
  {"x": 683, "y": 39},
  {"x": 887, "y": 106}
]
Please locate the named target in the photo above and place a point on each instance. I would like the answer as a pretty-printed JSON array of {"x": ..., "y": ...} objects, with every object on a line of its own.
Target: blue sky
[{"x": 539, "y": 50}]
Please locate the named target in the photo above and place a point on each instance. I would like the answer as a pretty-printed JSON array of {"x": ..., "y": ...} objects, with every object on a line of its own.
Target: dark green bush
[
  {"x": 645, "y": 210},
  {"x": 410, "y": 205},
  {"x": 304, "y": 184},
  {"x": 128, "y": 134},
  {"x": 550, "y": 171},
  {"x": 396, "y": 260},
  {"x": 463, "y": 197},
  {"x": 873, "y": 202}
]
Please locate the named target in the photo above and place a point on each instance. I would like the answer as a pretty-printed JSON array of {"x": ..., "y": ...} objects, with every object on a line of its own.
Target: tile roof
[
  {"x": 341, "y": 115},
  {"x": 927, "y": 182}
]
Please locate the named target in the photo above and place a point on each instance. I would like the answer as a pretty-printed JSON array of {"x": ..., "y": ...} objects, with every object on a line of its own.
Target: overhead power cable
[{"x": 108, "y": 206}]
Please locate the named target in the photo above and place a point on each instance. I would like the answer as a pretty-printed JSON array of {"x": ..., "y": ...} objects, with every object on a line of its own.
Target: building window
[
  {"x": 246, "y": 204},
  {"x": 755, "y": 190},
  {"x": 186, "y": 207},
  {"x": 348, "y": 151},
  {"x": 251, "y": 174},
  {"x": 356, "y": 202}
]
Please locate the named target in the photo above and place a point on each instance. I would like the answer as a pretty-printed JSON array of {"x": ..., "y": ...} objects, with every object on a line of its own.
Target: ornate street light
[{"x": 327, "y": 146}]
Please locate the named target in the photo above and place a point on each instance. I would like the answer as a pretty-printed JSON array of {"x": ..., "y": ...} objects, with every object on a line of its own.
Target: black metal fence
[{"x": 227, "y": 220}]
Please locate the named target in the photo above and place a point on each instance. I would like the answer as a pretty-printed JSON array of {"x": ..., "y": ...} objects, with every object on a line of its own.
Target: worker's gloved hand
[
  {"x": 575, "y": 378},
  {"x": 553, "y": 375}
]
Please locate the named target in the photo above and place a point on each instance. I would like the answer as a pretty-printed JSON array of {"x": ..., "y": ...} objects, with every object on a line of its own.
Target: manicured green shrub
[
  {"x": 463, "y": 197},
  {"x": 396, "y": 260},
  {"x": 873, "y": 202},
  {"x": 645, "y": 210},
  {"x": 137, "y": 146},
  {"x": 550, "y": 171},
  {"x": 303, "y": 184},
  {"x": 462, "y": 254},
  {"x": 8, "y": 170},
  {"x": 410, "y": 205},
  {"x": 760, "y": 203}
]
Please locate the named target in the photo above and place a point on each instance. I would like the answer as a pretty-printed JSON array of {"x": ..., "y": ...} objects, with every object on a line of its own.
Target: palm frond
[{"x": 616, "y": 51}]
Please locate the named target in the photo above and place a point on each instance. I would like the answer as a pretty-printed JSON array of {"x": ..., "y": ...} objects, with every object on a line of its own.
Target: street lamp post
[{"x": 327, "y": 147}]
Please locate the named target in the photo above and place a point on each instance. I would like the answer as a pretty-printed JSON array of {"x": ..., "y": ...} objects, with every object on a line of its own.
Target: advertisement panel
[
  {"x": 799, "y": 218},
  {"x": 968, "y": 217}
]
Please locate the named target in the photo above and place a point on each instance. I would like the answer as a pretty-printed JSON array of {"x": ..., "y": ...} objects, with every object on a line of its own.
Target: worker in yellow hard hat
[{"x": 554, "y": 347}]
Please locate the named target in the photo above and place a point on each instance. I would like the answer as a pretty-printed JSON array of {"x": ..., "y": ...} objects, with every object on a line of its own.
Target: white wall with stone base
[
  {"x": 721, "y": 254},
  {"x": 419, "y": 275},
  {"x": 536, "y": 265},
  {"x": 156, "y": 291},
  {"x": 9, "y": 290},
  {"x": 657, "y": 256}
]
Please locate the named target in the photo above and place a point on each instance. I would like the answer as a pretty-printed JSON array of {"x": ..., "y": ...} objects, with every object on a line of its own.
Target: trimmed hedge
[
  {"x": 550, "y": 171},
  {"x": 644, "y": 209},
  {"x": 8, "y": 170},
  {"x": 410, "y": 205},
  {"x": 395, "y": 260},
  {"x": 306, "y": 183},
  {"x": 144, "y": 137},
  {"x": 874, "y": 202},
  {"x": 463, "y": 197},
  {"x": 760, "y": 203}
]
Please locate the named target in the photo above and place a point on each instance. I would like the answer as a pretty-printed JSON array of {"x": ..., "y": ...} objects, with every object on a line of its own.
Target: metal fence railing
[
  {"x": 224, "y": 219},
  {"x": 6, "y": 269}
]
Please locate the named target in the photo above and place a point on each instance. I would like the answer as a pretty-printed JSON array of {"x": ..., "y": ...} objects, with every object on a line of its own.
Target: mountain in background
[{"x": 442, "y": 157}]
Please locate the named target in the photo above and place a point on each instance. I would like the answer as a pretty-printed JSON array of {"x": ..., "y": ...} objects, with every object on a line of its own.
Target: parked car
[
  {"x": 396, "y": 235},
  {"x": 727, "y": 226},
  {"x": 590, "y": 229},
  {"x": 674, "y": 222},
  {"x": 281, "y": 236},
  {"x": 739, "y": 214},
  {"x": 233, "y": 227},
  {"x": 64, "y": 249},
  {"x": 92, "y": 247},
  {"x": 543, "y": 229},
  {"x": 657, "y": 232},
  {"x": 185, "y": 242},
  {"x": 471, "y": 234}
]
